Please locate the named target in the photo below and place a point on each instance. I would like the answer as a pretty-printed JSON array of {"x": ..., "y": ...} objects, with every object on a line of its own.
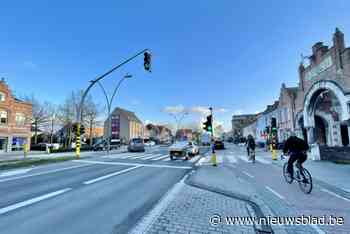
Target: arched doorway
[
  {"x": 320, "y": 130},
  {"x": 324, "y": 112}
]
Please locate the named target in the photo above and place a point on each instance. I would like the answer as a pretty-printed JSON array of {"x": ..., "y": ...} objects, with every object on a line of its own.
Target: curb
[{"x": 253, "y": 204}]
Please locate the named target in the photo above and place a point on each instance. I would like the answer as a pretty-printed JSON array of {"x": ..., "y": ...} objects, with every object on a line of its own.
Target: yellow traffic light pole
[{"x": 213, "y": 154}]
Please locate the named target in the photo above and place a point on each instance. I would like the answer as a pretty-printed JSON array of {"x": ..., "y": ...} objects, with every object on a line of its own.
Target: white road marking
[
  {"x": 152, "y": 156},
  {"x": 194, "y": 158},
  {"x": 317, "y": 229},
  {"x": 146, "y": 222},
  {"x": 161, "y": 157},
  {"x": 246, "y": 173},
  {"x": 243, "y": 158},
  {"x": 46, "y": 172},
  {"x": 15, "y": 172},
  {"x": 334, "y": 194},
  {"x": 259, "y": 159},
  {"x": 142, "y": 156},
  {"x": 32, "y": 201},
  {"x": 110, "y": 175},
  {"x": 166, "y": 159},
  {"x": 130, "y": 155},
  {"x": 136, "y": 164},
  {"x": 274, "y": 192}
]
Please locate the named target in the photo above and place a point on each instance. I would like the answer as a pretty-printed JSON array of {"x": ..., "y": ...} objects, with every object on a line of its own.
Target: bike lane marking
[
  {"x": 274, "y": 192},
  {"x": 249, "y": 175},
  {"x": 334, "y": 194}
]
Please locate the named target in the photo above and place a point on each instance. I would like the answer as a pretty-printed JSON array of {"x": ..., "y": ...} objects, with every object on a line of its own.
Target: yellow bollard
[
  {"x": 25, "y": 150},
  {"x": 274, "y": 154},
  {"x": 213, "y": 159}
]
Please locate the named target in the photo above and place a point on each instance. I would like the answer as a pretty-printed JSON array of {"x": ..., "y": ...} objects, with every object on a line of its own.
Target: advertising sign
[{"x": 115, "y": 126}]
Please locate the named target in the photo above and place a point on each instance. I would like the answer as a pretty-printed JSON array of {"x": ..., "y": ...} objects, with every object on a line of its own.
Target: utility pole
[{"x": 147, "y": 66}]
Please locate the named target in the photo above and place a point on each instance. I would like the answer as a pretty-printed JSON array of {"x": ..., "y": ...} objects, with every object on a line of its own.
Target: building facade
[
  {"x": 241, "y": 121},
  {"x": 125, "y": 125},
  {"x": 158, "y": 133},
  {"x": 15, "y": 120},
  {"x": 325, "y": 83}
]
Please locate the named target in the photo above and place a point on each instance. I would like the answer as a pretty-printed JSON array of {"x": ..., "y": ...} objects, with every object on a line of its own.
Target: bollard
[
  {"x": 213, "y": 159},
  {"x": 274, "y": 154},
  {"x": 25, "y": 150}
]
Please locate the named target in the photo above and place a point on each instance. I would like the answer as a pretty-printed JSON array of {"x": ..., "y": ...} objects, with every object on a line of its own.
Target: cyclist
[
  {"x": 296, "y": 147},
  {"x": 250, "y": 143}
]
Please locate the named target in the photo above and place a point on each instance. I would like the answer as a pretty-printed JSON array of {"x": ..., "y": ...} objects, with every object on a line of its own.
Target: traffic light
[
  {"x": 208, "y": 126},
  {"x": 147, "y": 61},
  {"x": 75, "y": 128},
  {"x": 82, "y": 129},
  {"x": 273, "y": 126}
]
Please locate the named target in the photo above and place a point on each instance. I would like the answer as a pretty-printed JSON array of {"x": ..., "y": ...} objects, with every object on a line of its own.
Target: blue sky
[{"x": 226, "y": 54}]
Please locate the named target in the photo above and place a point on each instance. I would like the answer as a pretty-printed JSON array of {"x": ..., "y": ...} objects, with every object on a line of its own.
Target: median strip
[
  {"x": 110, "y": 175},
  {"x": 32, "y": 201}
]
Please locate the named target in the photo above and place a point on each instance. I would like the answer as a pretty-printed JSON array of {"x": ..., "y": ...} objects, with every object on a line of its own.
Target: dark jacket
[
  {"x": 295, "y": 145},
  {"x": 251, "y": 143}
]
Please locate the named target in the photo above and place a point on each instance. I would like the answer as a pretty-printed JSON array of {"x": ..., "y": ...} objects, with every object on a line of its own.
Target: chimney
[{"x": 338, "y": 40}]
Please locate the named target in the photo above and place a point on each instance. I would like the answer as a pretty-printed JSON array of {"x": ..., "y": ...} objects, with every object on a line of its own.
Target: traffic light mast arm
[{"x": 93, "y": 82}]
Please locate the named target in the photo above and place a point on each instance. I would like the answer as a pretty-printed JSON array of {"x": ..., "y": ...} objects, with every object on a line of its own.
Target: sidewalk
[{"x": 333, "y": 174}]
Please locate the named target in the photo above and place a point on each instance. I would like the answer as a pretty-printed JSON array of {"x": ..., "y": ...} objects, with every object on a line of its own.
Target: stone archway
[{"x": 325, "y": 109}]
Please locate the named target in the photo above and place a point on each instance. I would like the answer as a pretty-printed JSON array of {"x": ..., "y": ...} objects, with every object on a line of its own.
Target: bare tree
[
  {"x": 92, "y": 111},
  {"x": 39, "y": 115}
]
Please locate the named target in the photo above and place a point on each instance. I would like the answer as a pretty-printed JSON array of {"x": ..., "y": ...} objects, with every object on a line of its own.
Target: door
[{"x": 3, "y": 144}]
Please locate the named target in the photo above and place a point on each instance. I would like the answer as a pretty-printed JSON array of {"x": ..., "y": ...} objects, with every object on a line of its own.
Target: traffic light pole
[
  {"x": 92, "y": 83},
  {"x": 213, "y": 156}
]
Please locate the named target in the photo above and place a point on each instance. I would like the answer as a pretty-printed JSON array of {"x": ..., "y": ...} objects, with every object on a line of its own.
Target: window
[
  {"x": 2, "y": 97},
  {"x": 20, "y": 119},
  {"x": 3, "y": 117}
]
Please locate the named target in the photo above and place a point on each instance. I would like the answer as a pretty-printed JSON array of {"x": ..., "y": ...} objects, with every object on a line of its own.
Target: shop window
[
  {"x": 2, "y": 97},
  {"x": 3, "y": 117},
  {"x": 20, "y": 119}
]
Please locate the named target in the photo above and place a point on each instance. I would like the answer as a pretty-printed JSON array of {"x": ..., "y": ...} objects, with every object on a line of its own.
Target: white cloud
[
  {"x": 204, "y": 110},
  {"x": 174, "y": 109}
]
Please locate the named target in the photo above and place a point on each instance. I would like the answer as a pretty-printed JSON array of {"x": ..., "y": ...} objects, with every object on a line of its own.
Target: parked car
[
  {"x": 103, "y": 145},
  {"x": 218, "y": 144},
  {"x": 136, "y": 145},
  {"x": 183, "y": 149}
]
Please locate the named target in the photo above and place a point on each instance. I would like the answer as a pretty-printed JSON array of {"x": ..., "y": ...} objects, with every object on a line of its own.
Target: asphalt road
[{"x": 102, "y": 194}]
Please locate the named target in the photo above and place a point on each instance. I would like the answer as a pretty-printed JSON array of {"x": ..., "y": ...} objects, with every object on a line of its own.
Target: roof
[
  {"x": 272, "y": 107},
  {"x": 128, "y": 114}
]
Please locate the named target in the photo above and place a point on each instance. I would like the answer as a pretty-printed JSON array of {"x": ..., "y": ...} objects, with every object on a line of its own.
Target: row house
[{"x": 15, "y": 120}]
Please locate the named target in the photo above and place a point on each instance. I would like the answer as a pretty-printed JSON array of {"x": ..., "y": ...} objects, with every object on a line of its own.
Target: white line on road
[
  {"x": 161, "y": 157},
  {"x": 135, "y": 164},
  {"x": 152, "y": 156},
  {"x": 15, "y": 172},
  {"x": 46, "y": 172},
  {"x": 146, "y": 222},
  {"x": 246, "y": 173},
  {"x": 334, "y": 194},
  {"x": 110, "y": 175},
  {"x": 274, "y": 192},
  {"x": 32, "y": 201}
]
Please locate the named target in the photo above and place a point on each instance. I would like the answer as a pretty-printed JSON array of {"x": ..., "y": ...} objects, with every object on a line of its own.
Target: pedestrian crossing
[{"x": 144, "y": 156}]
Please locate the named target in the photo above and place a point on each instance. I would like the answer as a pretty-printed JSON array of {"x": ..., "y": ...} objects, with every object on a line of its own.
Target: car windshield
[{"x": 137, "y": 141}]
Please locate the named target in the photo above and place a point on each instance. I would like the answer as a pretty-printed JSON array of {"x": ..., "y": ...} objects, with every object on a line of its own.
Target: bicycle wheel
[
  {"x": 286, "y": 174},
  {"x": 305, "y": 182}
]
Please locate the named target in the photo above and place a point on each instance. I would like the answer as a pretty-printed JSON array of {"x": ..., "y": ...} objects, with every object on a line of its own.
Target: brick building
[
  {"x": 323, "y": 100},
  {"x": 15, "y": 120}
]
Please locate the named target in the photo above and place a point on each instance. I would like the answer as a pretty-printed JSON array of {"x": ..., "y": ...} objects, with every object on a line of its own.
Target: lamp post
[
  {"x": 178, "y": 120},
  {"x": 109, "y": 107}
]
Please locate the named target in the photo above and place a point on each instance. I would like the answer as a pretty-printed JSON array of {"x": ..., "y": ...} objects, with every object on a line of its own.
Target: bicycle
[
  {"x": 303, "y": 177},
  {"x": 251, "y": 155}
]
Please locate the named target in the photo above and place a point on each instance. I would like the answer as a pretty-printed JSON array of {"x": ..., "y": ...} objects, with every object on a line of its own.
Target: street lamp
[
  {"x": 109, "y": 107},
  {"x": 178, "y": 120}
]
